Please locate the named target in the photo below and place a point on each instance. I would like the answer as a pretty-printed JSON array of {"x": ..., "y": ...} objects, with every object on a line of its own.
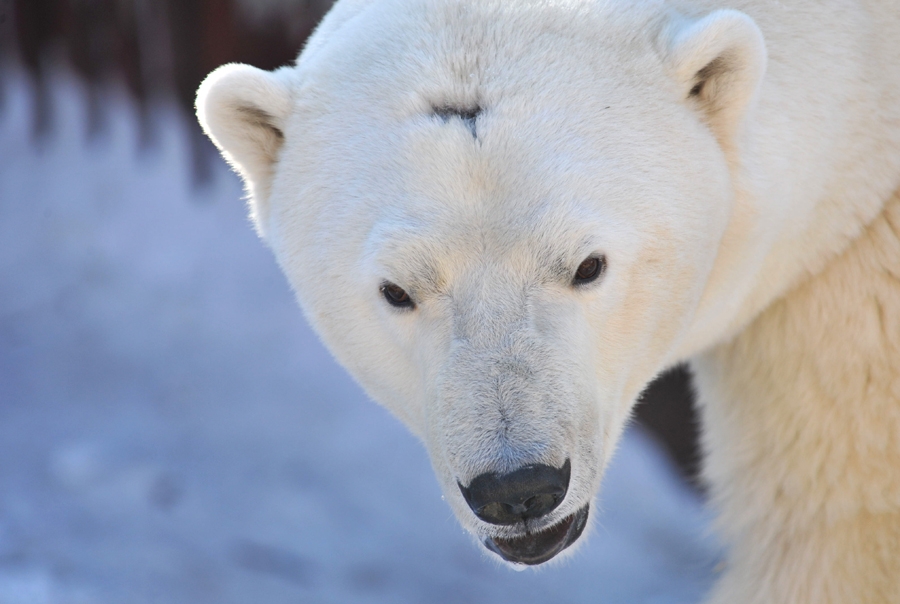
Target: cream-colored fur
[
  {"x": 802, "y": 427},
  {"x": 733, "y": 164}
]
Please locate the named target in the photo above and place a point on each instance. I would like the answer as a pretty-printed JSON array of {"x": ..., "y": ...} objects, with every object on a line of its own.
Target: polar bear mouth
[{"x": 537, "y": 548}]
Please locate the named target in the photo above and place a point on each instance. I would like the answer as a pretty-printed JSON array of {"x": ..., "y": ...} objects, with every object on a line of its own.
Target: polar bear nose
[{"x": 529, "y": 492}]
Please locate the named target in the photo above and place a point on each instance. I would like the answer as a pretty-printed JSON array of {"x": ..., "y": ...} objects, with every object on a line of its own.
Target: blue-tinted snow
[{"x": 171, "y": 431}]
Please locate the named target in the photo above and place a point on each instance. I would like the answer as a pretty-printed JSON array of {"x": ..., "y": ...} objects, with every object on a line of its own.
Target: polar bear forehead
[
  {"x": 537, "y": 83},
  {"x": 398, "y": 54},
  {"x": 465, "y": 122},
  {"x": 539, "y": 184}
]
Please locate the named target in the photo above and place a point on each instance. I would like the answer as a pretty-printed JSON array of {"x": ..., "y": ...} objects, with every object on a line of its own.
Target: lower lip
[{"x": 541, "y": 547}]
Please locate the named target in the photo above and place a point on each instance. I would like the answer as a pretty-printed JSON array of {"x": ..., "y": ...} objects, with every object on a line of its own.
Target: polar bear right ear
[
  {"x": 244, "y": 111},
  {"x": 719, "y": 62}
]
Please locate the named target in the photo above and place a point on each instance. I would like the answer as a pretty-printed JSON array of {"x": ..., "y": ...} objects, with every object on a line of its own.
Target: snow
[{"x": 172, "y": 431}]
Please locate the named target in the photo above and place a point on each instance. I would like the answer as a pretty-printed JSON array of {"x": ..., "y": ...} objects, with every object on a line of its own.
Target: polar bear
[{"x": 505, "y": 218}]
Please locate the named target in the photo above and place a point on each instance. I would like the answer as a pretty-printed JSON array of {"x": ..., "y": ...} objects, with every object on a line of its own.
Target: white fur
[
  {"x": 244, "y": 111},
  {"x": 745, "y": 222}
]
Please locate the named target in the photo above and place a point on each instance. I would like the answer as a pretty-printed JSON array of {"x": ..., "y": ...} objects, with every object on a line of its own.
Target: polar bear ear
[
  {"x": 719, "y": 62},
  {"x": 244, "y": 110}
]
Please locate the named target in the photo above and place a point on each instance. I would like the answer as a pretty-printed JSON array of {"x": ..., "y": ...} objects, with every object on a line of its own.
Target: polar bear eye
[
  {"x": 396, "y": 295},
  {"x": 588, "y": 271}
]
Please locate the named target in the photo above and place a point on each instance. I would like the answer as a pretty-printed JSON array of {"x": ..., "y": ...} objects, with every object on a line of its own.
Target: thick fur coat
[{"x": 433, "y": 175}]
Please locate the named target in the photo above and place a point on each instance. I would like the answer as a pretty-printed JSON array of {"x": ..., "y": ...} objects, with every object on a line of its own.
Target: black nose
[{"x": 529, "y": 492}]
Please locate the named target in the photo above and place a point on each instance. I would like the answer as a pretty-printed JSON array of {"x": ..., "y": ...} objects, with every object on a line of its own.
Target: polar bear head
[{"x": 501, "y": 218}]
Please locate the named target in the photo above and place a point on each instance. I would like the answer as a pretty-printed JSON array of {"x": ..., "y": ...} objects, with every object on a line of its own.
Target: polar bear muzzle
[{"x": 521, "y": 496}]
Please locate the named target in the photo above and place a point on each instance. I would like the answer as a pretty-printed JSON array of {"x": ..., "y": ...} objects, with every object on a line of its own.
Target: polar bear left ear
[
  {"x": 719, "y": 62},
  {"x": 244, "y": 111}
]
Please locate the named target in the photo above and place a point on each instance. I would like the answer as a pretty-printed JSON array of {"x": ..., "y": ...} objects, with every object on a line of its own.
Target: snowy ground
[{"x": 171, "y": 431}]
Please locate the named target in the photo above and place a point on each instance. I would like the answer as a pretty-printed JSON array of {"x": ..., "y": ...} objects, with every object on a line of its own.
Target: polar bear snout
[
  {"x": 530, "y": 492},
  {"x": 517, "y": 498}
]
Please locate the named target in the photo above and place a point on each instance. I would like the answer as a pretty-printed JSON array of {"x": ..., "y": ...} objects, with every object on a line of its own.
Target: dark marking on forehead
[{"x": 469, "y": 116}]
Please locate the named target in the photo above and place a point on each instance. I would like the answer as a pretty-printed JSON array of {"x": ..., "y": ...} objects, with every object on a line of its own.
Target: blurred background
[{"x": 170, "y": 429}]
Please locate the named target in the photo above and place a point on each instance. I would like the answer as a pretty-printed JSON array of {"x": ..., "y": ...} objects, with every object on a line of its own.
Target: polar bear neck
[
  {"x": 817, "y": 159},
  {"x": 802, "y": 417}
]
